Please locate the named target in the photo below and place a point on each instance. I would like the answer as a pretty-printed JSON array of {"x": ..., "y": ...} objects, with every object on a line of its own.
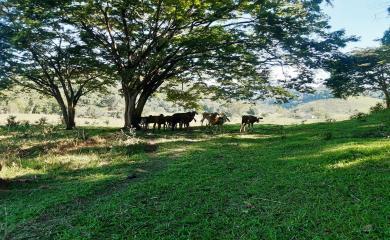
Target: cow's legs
[{"x": 201, "y": 121}]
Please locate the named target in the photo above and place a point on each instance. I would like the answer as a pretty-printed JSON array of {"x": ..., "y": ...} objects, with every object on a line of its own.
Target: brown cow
[
  {"x": 207, "y": 116},
  {"x": 183, "y": 119},
  {"x": 248, "y": 120},
  {"x": 218, "y": 120}
]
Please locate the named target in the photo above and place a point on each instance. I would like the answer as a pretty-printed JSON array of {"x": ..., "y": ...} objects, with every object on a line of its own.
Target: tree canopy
[
  {"x": 43, "y": 53},
  {"x": 225, "y": 49},
  {"x": 362, "y": 71}
]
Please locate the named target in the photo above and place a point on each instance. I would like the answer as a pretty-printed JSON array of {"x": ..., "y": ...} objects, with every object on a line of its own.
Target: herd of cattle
[{"x": 183, "y": 120}]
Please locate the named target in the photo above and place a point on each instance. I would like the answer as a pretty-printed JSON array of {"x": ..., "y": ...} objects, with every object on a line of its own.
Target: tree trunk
[
  {"x": 71, "y": 116},
  {"x": 64, "y": 112},
  {"x": 387, "y": 97},
  {"x": 134, "y": 108},
  {"x": 130, "y": 116},
  {"x": 126, "y": 113},
  {"x": 385, "y": 89},
  {"x": 68, "y": 113},
  {"x": 143, "y": 98}
]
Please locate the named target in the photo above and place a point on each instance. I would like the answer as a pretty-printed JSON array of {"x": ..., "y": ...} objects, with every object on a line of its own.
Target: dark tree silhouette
[{"x": 40, "y": 52}]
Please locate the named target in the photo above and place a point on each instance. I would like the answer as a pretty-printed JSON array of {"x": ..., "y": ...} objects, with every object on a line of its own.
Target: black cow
[
  {"x": 248, "y": 120},
  {"x": 183, "y": 119}
]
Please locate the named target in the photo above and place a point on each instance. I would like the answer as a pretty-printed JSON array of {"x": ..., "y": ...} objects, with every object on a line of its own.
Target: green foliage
[
  {"x": 362, "y": 71},
  {"x": 359, "y": 116},
  {"x": 328, "y": 136},
  {"x": 229, "y": 42},
  {"x": 40, "y": 51},
  {"x": 377, "y": 108}
]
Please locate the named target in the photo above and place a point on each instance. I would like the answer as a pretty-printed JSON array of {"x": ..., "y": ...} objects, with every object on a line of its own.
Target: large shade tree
[
  {"x": 40, "y": 52},
  {"x": 224, "y": 48},
  {"x": 362, "y": 71}
]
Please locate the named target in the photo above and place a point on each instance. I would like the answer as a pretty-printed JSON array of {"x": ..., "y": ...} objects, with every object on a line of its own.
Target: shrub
[
  {"x": 42, "y": 121},
  {"x": 359, "y": 116},
  {"x": 25, "y": 123},
  {"x": 328, "y": 136},
  {"x": 330, "y": 120},
  {"x": 11, "y": 121},
  {"x": 377, "y": 108},
  {"x": 127, "y": 136},
  {"x": 282, "y": 131},
  {"x": 80, "y": 134}
]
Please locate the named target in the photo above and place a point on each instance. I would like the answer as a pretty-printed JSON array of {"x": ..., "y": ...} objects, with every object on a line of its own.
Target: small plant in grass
[
  {"x": 359, "y": 116},
  {"x": 80, "y": 134},
  {"x": 377, "y": 108},
  {"x": 283, "y": 134},
  {"x": 25, "y": 123},
  {"x": 127, "y": 136},
  {"x": 47, "y": 130},
  {"x": 328, "y": 136},
  {"x": 107, "y": 122},
  {"x": 11, "y": 121},
  {"x": 42, "y": 121},
  {"x": 330, "y": 120}
]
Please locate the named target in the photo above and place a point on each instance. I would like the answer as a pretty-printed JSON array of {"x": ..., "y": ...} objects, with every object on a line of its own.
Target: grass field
[{"x": 313, "y": 181}]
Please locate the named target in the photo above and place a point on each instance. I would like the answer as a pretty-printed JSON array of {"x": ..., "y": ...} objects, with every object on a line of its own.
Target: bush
[
  {"x": 377, "y": 108},
  {"x": 25, "y": 123},
  {"x": 42, "y": 121},
  {"x": 330, "y": 120},
  {"x": 359, "y": 116},
  {"x": 328, "y": 136},
  {"x": 11, "y": 121}
]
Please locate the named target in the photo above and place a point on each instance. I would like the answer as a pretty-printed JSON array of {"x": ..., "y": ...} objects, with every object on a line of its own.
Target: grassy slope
[{"x": 318, "y": 181}]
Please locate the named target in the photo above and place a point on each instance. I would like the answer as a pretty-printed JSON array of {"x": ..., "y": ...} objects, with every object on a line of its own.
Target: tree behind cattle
[
  {"x": 224, "y": 48},
  {"x": 42, "y": 53},
  {"x": 362, "y": 71}
]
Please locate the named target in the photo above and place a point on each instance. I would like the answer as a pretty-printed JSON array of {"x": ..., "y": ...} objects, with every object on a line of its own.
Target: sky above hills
[{"x": 367, "y": 19}]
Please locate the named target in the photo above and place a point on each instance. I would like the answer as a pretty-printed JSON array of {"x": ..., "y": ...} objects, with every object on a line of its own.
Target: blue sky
[{"x": 365, "y": 18}]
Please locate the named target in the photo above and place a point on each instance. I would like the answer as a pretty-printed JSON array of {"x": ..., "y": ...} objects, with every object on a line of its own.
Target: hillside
[{"x": 312, "y": 181}]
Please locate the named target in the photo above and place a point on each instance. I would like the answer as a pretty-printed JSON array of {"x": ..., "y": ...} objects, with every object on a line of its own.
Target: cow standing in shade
[
  {"x": 183, "y": 119},
  {"x": 156, "y": 120}
]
